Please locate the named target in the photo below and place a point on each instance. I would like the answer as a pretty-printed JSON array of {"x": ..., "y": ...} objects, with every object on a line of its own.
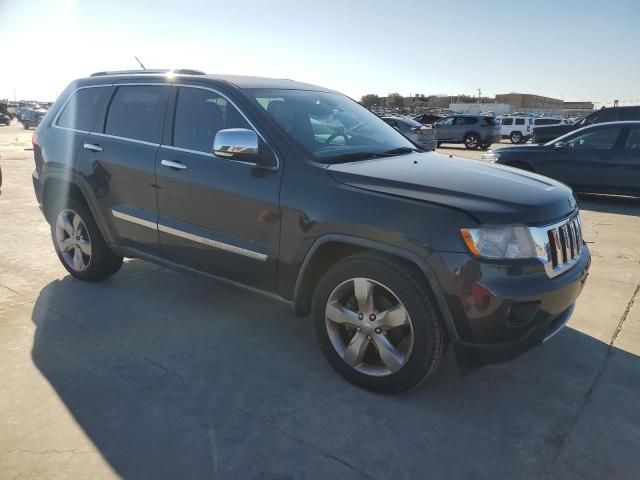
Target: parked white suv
[{"x": 518, "y": 129}]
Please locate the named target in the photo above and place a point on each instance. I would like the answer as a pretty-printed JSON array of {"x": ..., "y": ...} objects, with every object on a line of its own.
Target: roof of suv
[{"x": 240, "y": 81}]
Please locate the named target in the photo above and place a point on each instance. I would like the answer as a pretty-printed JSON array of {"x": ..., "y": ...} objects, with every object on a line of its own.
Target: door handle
[
  {"x": 93, "y": 147},
  {"x": 174, "y": 165}
]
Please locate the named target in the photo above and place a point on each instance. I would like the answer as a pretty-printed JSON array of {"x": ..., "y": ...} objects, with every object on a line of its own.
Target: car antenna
[{"x": 138, "y": 60}]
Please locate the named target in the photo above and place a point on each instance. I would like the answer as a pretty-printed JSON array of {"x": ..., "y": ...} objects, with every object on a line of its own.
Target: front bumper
[{"x": 501, "y": 311}]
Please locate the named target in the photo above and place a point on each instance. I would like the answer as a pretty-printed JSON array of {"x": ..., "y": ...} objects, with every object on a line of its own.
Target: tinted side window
[
  {"x": 519, "y": 121},
  {"x": 599, "y": 139},
  {"x": 200, "y": 114},
  {"x": 507, "y": 121},
  {"x": 633, "y": 141},
  {"x": 136, "y": 112},
  {"x": 470, "y": 120},
  {"x": 82, "y": 109},
  {"x": 629, "y": 114}
]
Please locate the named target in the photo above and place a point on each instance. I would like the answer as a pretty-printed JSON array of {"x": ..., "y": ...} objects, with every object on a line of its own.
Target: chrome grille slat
[{"x": 565, "y": 245}]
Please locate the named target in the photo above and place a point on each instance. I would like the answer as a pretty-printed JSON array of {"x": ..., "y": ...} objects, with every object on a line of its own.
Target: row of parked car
[{"x": 480, "y": 131}]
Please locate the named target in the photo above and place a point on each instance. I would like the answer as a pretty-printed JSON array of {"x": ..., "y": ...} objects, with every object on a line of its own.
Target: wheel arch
[
  {"x": 331, "y": 248},
  {"x": 57, "y": 185}
]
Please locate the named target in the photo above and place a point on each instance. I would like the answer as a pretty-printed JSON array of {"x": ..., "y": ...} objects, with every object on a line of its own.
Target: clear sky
[{"x": 576, "y": 50}]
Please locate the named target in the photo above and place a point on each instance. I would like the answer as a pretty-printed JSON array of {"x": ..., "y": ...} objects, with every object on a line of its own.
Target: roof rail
[{"x": 177, "y": 71}]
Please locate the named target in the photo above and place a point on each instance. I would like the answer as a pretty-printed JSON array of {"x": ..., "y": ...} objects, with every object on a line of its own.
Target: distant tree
[
  {"x": 370, "y": 100},
  {"x": 395, "y": 100}
]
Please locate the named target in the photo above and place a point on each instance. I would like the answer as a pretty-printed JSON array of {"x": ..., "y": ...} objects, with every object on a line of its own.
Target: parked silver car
[
  {"x": 475, "y": 131},
  {"x": 416, "y": 132}
]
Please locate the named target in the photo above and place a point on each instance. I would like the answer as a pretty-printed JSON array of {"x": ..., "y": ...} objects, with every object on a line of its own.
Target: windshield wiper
[
  {"x": 354, "y": 156},
  {"x": 400, "y": 151}
]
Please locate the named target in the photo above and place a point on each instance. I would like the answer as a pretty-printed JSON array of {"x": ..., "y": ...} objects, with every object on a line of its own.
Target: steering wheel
[{"x": 333, "y": 136}]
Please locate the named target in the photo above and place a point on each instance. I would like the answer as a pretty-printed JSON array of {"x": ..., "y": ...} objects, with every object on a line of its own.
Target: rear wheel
[
  {"x": 376, "y": 323},
  {"x": 471, "y": 141},
  {"x": 25, "y": 125},
  {"x": 79, "y": 243},
  {"x": 516, "y": 137}
]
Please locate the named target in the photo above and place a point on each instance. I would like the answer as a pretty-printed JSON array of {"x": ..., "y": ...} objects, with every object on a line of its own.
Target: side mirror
[
  {"x": 244, "y": 145},
  {"x": 560, "y": 146}
]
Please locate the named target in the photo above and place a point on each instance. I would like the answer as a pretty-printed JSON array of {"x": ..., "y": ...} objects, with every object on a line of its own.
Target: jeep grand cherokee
[{"x": 297, "y": 191}]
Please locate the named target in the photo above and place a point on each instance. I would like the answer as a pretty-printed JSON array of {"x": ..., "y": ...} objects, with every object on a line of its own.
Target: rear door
[
  {"x": 626, "y": 162},
  {"x": 216, "y": 215},
  {"x": 459, "y": 129},
  {"x": 120, "y": 158}
]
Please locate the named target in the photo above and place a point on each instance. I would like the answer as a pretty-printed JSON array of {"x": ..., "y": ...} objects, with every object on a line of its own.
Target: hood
[{"x": 493, "y": 194}]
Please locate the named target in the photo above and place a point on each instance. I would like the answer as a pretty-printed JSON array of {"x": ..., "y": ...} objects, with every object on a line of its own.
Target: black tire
[
  {"x": 25, "y": 125},
  {"x": 471, "y": 141},
  {"x": 438, "y": 144},
  {"x": 516, "y": 137},
  {"x": 485, "y": 146},
  {"x": 521, "y": 166},
  {"x": 429, "y": 337},
  {"x": 103, "y": 262}
]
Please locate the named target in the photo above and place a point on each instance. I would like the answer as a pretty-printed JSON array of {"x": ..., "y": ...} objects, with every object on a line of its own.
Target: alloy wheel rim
[
  {"x": 369, "y": 327},
  {"x": 73, "y": 240},
  {"x": 472, "y": 141}
]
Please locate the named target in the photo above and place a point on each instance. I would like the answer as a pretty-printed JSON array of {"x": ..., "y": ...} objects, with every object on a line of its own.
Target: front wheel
[
  {"x": 471, "y": 141},
  {"x": 79, "y": 243},
  {"x": 516, "y": 137},
  {"x": 377, "y": 324}
]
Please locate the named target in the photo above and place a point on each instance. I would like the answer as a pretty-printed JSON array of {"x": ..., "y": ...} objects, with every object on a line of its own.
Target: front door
[
  {"x": 216, "y": 215},
  {"x": 443, "y": 128}
]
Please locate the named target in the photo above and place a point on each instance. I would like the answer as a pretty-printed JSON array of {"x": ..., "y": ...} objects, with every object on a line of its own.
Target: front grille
[{"x": 565, "y": 242}]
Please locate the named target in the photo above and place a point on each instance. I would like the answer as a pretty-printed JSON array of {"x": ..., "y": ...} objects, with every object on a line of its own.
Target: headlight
[
  {"x": 500, "y": 242},
  {"x": 491, "y": 156}
]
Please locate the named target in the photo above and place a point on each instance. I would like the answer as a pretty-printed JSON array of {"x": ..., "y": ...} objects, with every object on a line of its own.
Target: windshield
[{"x": 332, "y": 127}]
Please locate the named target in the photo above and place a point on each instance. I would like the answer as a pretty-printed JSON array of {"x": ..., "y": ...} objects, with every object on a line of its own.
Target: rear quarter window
[
  {"x": 470, "y": 120},
  {"x": 83, "y": 108},
  {"x": 519, "y": 121}
]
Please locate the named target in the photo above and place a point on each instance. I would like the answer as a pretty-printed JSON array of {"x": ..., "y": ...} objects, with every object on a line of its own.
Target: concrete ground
[{"x": 153, "y": 374}]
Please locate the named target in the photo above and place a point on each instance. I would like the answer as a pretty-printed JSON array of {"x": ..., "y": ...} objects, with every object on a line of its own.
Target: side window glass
[
  {"x": 136, "y": 113},
  {"x": 633, "y": 140},
  {"x": 200, "y": 114},
  {"x": 519, "y": 121},
  {"x": 459, "y": 121},
  {"x": 470, "y": 120},
  {"x": 82, "y": 109},
  {"x": 448, "y": 121},
  {"x": 599, "y": 139},
  {"x": 507, "y": 121}
]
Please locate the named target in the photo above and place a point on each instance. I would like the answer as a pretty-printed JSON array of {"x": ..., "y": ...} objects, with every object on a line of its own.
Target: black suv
[
  {"x": 299, "y": 192},
  {"x": 544, "y": 134}
]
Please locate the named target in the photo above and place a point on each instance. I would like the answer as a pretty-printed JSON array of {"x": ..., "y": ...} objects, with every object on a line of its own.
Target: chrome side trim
[
  {"x": 133, "y": 219},
  {"x": 126, "y": 139},
  {"x": 213, "y": 243}
]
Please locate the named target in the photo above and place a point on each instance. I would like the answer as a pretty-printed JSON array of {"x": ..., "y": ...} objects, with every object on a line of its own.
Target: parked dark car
[
  {"x": 544, "y": 134},
  {"x": 422, "y": 136},
  {"x": 474, "y": 131},
  {"x": 394, "y": 252},
  {"x": 32, "y": 118},
  {"x": 428, "y": 118},
  {"x": 5, "y": 119},
  {"x": 602, "y": 158}
]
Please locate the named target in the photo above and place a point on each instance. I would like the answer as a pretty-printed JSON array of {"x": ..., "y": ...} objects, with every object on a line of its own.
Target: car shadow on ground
[
  {"x": 177, "y": 377},
  {"x": 609, "y": 204}
]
